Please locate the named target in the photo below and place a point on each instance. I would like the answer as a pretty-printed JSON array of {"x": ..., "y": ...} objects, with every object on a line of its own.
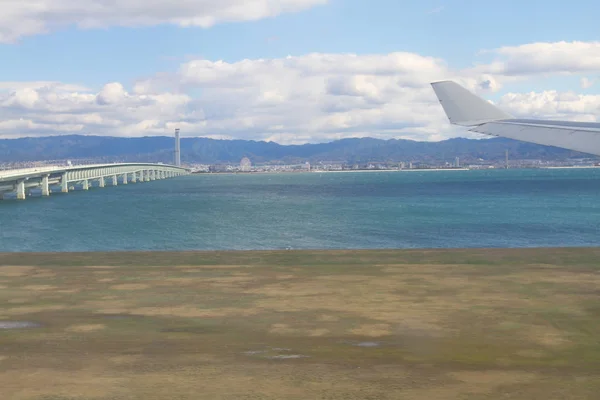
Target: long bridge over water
[{"x": 19, "y": 183}]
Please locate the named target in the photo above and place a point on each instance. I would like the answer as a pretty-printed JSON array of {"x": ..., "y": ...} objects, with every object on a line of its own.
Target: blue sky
[{"x": 452, "y": 31}]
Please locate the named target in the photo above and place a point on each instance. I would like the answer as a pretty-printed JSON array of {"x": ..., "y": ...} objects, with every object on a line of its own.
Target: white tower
[{"x": 177, "y": 149}]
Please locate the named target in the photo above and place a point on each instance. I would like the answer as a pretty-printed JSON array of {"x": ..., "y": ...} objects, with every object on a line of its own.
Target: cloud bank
[
  {"x": 297, "y": 99},
  {"x": 19, "y": 18}
]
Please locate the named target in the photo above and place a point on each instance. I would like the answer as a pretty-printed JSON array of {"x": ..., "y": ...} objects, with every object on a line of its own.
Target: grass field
[{"x": 458, "y": 324}]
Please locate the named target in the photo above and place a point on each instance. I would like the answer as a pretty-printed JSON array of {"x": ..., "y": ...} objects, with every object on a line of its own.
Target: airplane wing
[{"x": 466, "y": 109}]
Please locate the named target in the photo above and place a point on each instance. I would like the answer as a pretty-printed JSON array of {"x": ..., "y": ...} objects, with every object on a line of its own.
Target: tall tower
[{"x": 177, "y": 149}]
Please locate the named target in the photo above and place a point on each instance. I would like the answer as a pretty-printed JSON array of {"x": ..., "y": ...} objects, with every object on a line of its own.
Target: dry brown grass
[
  {"x": 86, "y": 328},
  {"x": 37, "y": 288},
  {"x": 328, "y": 318},
  {"x": 438, "y": 325},
  {"x": 24, "y": 310},
  {"x": 192, "y": 312},
  {"x": 209, "y": 267},
  {"x": 372, "y": 330},
  {"x": 68, "y": 291},
  {"x": 9, "y": 271},
  {"x": 130, "y": 286},
  {"x": 34, "y": 383}
]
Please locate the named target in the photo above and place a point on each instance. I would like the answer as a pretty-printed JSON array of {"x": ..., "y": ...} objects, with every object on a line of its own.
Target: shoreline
[
  {"x": 399, "y": 170},
  {"x": 164, "y": 257},
  {"x": 333, "y": 171}
]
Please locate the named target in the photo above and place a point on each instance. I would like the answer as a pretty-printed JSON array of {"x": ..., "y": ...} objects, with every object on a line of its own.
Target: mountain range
[{"x": 212, "y": 151}]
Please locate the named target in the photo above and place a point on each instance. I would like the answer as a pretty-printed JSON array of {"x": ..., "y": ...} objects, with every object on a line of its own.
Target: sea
[{"x": 347, "y": 210}]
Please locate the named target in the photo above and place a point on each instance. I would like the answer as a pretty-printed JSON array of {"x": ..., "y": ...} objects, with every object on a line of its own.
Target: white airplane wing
[{"x": 466, "y": 109}]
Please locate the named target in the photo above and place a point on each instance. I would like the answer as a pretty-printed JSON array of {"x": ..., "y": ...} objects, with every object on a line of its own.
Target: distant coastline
[
  {"x": 575, "y": 167},
  {"x": 329, "y": 171},
  {"x": 399, "y": 170}
]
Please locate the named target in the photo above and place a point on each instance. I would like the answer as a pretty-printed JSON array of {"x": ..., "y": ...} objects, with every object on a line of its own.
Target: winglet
[{"x": 465, "y": 108}]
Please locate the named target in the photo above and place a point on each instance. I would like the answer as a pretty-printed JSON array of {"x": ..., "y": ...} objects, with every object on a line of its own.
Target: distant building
[{"x": 245, "y": 164}]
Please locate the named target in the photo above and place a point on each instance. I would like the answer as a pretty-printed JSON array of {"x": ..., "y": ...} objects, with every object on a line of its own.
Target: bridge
[{"x": 18, "y": 183}]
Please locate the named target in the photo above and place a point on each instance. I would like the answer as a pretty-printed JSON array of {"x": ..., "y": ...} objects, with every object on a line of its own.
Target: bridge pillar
[
  {"x": 115, "y": 181},
  {"x": 86, "y": 185},
  {"x": 133, "y": 177},
  {"x": 152, "y": 175},
  {"x": 101, "y": 182},
  {"x": 45, "y": 187},
  {"x": 124, "y": 179},
  {"x": 64, "y": 185},
  {"x": 20, "y": 189}
]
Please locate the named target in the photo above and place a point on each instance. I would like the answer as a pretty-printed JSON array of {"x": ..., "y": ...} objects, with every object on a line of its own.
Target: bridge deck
[{"x": 20, "y": 180}]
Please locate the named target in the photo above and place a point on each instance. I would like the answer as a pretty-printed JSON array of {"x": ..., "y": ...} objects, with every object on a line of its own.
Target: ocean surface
[{"x": 433, "y": 209}]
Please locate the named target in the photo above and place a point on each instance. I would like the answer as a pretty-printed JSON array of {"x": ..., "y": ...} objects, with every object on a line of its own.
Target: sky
[{"x": 289, "y": 71}]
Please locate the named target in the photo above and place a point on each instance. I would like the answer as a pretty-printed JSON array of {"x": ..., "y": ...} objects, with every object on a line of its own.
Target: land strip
[{"x": 383, "y": 324}]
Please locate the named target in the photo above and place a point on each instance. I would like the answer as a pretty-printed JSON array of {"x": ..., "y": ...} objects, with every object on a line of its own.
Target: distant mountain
[{"x": 211, "y": 151}]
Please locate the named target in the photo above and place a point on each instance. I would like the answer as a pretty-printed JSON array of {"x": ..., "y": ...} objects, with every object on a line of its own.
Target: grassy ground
[{"x": 461, "y": 324}]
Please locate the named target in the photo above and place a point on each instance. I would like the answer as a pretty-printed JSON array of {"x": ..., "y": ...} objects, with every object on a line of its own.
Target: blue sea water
[{"x": 441, "y": 209}]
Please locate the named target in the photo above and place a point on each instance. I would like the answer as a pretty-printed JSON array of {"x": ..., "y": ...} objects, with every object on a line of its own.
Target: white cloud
[
  {"x": 553, "y": 105},
  {"x": 587, "y": 83},
  {"x": 43, "y": 110},
  {"x": 545, "y": 58},
  {"x": 21, "y": 18},
  {"x": 310, "y": 98},
  {"x": 12, "y": 86},
  {"x": 112, "y": 93}
]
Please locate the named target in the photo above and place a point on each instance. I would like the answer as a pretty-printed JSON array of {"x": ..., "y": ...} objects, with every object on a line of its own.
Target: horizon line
[{"x": 247, "y": 140}]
